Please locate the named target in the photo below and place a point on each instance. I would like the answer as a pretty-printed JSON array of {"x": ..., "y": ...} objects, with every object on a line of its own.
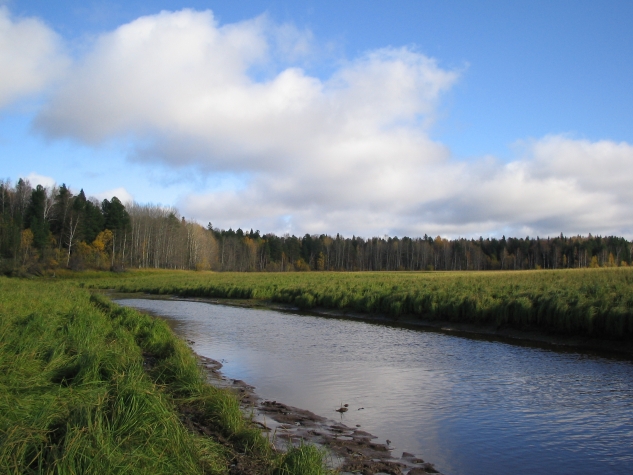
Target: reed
[{"x": 588, "y": 302}]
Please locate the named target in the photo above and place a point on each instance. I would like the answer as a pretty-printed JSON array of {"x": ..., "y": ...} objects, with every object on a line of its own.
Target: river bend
[{"x": 470, "y": 406}]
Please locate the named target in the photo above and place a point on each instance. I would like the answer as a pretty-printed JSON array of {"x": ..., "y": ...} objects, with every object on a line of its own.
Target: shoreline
[
  {"x": 468, "y": 330},
  {"x": 351, "y": 450},
  {"x": 531, "y": 337}
]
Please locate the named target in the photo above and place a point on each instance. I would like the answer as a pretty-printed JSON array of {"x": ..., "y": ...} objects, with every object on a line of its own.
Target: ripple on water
[{"x": 470, "y": 406}]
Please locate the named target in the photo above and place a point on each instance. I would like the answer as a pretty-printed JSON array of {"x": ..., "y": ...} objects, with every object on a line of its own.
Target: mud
[{"x": 350, "y": 449}]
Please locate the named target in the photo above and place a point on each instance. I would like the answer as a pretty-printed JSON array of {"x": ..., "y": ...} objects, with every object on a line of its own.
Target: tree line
[
  {"x": 249, "y": 251},
  {"x": 43, "y": 229},
  {"x": 49, "y": 228}
]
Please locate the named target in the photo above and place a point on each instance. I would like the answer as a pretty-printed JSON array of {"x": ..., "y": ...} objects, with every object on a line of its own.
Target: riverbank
[
  {"x": 506, "y": 334},
  {"x": 592, "y": 304},
  {"x": 89, "y": 387},
  {"x": 350, "y": 449},
  {"x": 469, "y": 405},
  {"x": 489, "y": 332}
]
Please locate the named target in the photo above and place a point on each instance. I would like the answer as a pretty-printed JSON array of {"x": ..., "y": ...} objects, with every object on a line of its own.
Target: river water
[{"x": 470, "y": 406}]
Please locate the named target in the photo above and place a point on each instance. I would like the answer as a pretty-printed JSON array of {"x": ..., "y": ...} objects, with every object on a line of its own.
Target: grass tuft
[{"x": 303, "y": 460}]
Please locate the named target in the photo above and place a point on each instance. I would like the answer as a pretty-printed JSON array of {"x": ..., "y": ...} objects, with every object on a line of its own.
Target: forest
[{"x": 44, "y": 229}]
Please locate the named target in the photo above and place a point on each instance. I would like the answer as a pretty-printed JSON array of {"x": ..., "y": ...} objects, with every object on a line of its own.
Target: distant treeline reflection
[{"x": 49, "y": 228}]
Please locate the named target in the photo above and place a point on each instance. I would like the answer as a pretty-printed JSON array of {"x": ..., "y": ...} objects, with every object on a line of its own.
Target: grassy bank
[
  {"x": 89, "y": 387},
  {"x": 587, "y": 302}
]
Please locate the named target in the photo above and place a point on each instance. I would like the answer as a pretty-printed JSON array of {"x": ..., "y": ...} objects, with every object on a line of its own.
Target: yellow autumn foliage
[{"x": 103, "y": 240}]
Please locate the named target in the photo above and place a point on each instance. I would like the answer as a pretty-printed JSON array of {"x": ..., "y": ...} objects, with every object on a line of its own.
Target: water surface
[{"x": 469, "y": 406}]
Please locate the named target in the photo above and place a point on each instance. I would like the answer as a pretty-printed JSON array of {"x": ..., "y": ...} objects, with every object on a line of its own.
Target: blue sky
[{"x": 361, "y": 117}]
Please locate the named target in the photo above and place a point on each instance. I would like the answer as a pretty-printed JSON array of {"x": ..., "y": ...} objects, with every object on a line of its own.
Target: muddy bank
[{"x": 350, "y": 448}]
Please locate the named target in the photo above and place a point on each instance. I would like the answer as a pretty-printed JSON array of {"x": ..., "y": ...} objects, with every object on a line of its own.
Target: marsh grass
[
  {"x": 588, "y": 302},
  {"x": 305, "y": 459},
  {"x": 89, "y": 387}
]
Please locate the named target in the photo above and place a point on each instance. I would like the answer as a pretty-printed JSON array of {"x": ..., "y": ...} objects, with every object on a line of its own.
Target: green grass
[
  {"x": 589, "y": 302},
  {"x": 89, "y": 387},
  {"x": 305, "y": 459}
]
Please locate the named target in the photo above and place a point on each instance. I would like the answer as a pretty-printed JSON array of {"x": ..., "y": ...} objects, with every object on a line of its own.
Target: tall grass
[
  {"x": 304, "y": 459},
  {"x": 589, "y": 302},
  {"x": 89, "y": 387}
]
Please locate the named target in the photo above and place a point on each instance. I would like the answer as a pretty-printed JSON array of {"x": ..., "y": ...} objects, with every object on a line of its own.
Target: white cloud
[
  {"x": 31, "y": 57},
  {"x": 35, "y": 179},
  {"x": 559, "y": 185},
  {"x": 121, "y": 193},
  {"x": 350, "y": 153}
]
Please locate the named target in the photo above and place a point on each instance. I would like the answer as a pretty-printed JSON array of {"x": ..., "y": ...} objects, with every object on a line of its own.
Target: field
[
  {"x": 590, "y": 302},
  {"x": 87, "y": 387}
]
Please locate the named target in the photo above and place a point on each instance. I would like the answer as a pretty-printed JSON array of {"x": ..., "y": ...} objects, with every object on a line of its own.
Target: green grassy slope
[{"x": 89, "y": 387}]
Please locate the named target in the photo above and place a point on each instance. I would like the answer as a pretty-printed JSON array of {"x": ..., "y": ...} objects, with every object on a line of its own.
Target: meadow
[
  {"x": 88, "y": 387},
  {"x": 596, "y": 303}
]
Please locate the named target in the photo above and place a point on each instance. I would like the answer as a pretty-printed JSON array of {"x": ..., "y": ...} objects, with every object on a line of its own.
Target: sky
[{"x": 366, "y": 118}]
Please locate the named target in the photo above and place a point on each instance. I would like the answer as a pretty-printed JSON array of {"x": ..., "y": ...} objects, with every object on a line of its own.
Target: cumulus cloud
[
  {"x": 36, "y": 179},
  {"x": 558, "y": 185},
  {"x": 31, "y": 56},
  {"x": 121, "y": 193},
  {"x": 349, "y": 153}
]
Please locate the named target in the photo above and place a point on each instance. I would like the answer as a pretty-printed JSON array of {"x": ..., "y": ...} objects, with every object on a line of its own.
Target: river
[{"x": 471, "y": 406}]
